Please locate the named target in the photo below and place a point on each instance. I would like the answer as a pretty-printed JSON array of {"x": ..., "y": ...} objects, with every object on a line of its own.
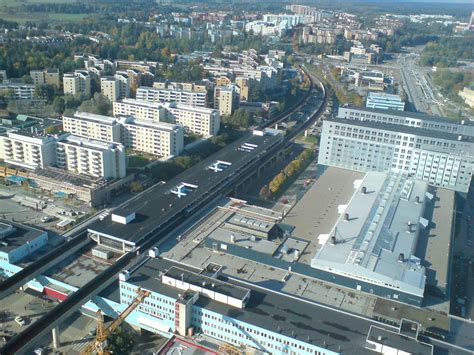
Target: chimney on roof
[
  {"x": 346, "y": 216},
  {"x": 364, "y": 190}
]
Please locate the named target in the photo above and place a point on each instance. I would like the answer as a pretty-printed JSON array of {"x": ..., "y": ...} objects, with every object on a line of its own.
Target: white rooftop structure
[{"x": 375, "y": 238}]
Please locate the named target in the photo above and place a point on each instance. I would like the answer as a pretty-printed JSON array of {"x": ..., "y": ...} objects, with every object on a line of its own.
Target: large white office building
[
  {"x": 185, "y": 97},
  {"x": 436, "y": 150}
]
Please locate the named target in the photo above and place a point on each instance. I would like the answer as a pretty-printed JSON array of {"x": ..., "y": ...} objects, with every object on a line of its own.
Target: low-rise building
[
  {"x": 381, "y": 100},
  {"x": 18, "y": 91},
  {"x": 468, "y": 95},
  {"x": 17, "y": 241}
]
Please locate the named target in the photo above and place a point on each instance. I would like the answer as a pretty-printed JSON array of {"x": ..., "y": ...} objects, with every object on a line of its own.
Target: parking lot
[
  {"x": 22, "y": 205},
  {"x": 24, "y": 304}
]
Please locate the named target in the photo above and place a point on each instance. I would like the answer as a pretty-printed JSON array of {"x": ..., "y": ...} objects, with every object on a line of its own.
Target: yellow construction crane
[{"x": 99, "y": 343}]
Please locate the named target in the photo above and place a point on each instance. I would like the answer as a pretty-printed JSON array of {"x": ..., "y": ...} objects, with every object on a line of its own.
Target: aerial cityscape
[{"x": 236, "y": 177}]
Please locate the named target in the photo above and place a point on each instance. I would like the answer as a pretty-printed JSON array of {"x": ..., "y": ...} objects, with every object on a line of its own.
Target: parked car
[{"x": 20, "y": 320}]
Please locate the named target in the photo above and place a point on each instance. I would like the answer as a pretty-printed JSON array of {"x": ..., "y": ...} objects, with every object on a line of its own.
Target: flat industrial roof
[
  {"x": 276, "y": 312},
  {"x": 410, "y": 114},
  {"x": 225, "y": 288},
  {"x": 419, "y": 131},
  {"x": 19, "y": 237},
  {"x": 398, "y": 341},
  {"x": 157, "y": 204},
  {"x": 375, "y": 234}
]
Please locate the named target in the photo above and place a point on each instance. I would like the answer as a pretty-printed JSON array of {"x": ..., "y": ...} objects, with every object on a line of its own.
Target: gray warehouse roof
[
  {"x": 376, "y": 237},
  {"x": 14, "y": 235}
]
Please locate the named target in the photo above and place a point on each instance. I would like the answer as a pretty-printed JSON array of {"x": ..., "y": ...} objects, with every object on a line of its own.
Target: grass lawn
[
  {"x": 24, "y": 2},
  {"x": 22, "y": 17}
]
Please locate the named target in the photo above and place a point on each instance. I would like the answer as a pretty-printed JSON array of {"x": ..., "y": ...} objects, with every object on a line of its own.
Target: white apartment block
[
  {"x": 110, "y": 88},
  {"x": 91, "y": 157},
  {"x": 192, "y": 98},
  {"x": 226, "y": 99},
  {"x": 141, "y": 110},
  {"x": 18, "y": 91},
  {"x": 27, "y": 151},
  {"x": 76, "y": 83},
  {"x": 199, "y": 120},
  {"x": 124, "y": 83},
  {"x": 157, "y": 138},
  {"x": 47, "y": 76},
  {"x": 89, "y": 125}
]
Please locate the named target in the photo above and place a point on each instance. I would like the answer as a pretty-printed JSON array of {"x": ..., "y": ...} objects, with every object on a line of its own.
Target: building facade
[
  {"x": 89, "y": 125},
  {"x": 91, "y": 157},
  {"x": 184, "y": 97},
  {"x": 27, "y": 151},
  {"x": 141, "y": 110},
  {"x": 77, "y": 83},
  {"x": 379, "y": 100},
  {"x": 438, "y": 151},
  {"x": 18, "y": 91},
  {"x": 110, "y": 88},
  {"x": 48, "y": 76},
  {"x": 199, "y": 120},
  {"x": 226, "y": 99},
  {"x": 156, "y": 138}
]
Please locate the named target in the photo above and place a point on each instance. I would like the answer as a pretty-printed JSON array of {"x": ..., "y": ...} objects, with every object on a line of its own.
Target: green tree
[
  {"x": 46, "y": 91},
  {"x": 98, "y": 104},
  {"x": 136, "y": 186},
  {"x": 265, "y": 193},
  {"x": 120, "y": 342},
  {"x": 59, "y": 105}
]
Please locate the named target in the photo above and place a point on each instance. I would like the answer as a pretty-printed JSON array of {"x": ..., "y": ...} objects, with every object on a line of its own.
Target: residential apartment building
[
  {"x": 91, "y": 157},
  {"x": 48, "y": 76},
  {"x": 77, "y": 83},
  {"x": 199, "y": 120},
  {"x": 380, "y": 100},
  {"x": 194, "y": 87},
  {"x": 27, "y": 151},
  {"x": 124, "y": 83},
  {"x": 157, "y": 138},
  {"x": 226, "y": 99},
  {"x": 435, "y": 150},
  {"x": 110, "y": 88},
  {"x": 141, "y": 110},
  {"x": 89, "y": 125},
  {"x": 18, "y": 91},
  {"x": 192, "y": 98}
]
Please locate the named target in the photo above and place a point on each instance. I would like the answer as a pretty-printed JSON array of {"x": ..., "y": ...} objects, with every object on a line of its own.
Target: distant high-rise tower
[{"x": 471, "y": 22}]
